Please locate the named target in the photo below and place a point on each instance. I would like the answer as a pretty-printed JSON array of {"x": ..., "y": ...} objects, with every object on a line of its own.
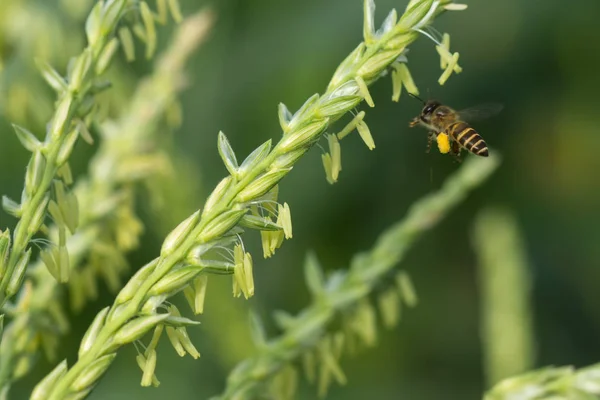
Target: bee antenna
[{"x": 416, "y": 97}]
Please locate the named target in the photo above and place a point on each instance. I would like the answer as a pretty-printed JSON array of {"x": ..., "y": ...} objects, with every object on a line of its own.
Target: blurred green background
[{"x": 540, "y": 58}]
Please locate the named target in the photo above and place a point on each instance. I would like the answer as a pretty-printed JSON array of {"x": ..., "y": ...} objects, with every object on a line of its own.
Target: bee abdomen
[{"x": 468, "y": 138}]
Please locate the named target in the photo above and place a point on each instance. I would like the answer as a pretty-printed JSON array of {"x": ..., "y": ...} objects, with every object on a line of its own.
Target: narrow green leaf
[
  {"x": 285, "y": 116},
  {"x": 27, "y": 139},
  {"x": 227, "y": 154},
  {"x": 369, "y": 21},
  {"x": 51, "y": 77},
  {"x": 255, "y": 158}
]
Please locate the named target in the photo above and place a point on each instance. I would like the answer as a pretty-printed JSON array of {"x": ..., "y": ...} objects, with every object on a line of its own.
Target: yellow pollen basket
[{"x": 443, "y": 143}]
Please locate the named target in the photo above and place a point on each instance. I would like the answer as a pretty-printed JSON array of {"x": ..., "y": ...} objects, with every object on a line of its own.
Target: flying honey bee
[{"x": 450, "y": 129}]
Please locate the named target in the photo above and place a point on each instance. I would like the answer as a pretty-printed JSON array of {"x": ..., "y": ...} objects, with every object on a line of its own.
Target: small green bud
[
  {"x": 43, "y": 389},
  {"x": 261, "y": 185},
  {"x": 152, "y": 304},
  {"x": 178, "y": 235},
  {"x": 49, "y": 259},
  {"x": 389, "y": 22},
  {"x": 35, "y": 172},
  {"x": 80, "y": 70},
  {"x": 131, "y": 288},
  {"x": 135, "y": 329},
  {"x": 338, "y": 105},
  {"x": 285, "y": 116},
  {"x": 18, "y": 274},
  {"x": 27, "y": 139},
  {"x": 369, "y": 21},
  {"x": 106, "y": 56},
  {"x": 4, "y": 252},
  {"x": 216, "y": 195},
  {"x": 64, "y": 265},
  {"x": 51, "y": 77},
  {"x": 38, "y": 217},
  {"x": 417, "y": 14},
  {"x": 93, "y": 24},
  {"x": 92, "y": 333},
  {"x": 220, "y": 225},
  {"x": 255, "y": 158},
  {"x": 288, "y": 159},
  {"x": 110, "y": 15},
  {"x": 342, "y": 71},
  {"x": 378, "y": 63},
  {"x": 174, "y": 281},
  {"x": 90, "y": 375},
  {"x": 307, "y": 107},
  {"x": 303, "y": 136},
  {"x": 227, "y": 154},
  {"x": 61, "y": 116},
  {"x": 11, "y": 207},
  {"x": 127, "y": 42},
  {"x": 401, "y": 41}
]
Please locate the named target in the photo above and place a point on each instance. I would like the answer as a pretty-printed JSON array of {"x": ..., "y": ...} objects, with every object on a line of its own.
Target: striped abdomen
[{"x": 468, "y": 138}]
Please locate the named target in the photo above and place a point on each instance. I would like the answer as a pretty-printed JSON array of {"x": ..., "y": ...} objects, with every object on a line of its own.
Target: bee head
[{"x": 428, "y": 110}]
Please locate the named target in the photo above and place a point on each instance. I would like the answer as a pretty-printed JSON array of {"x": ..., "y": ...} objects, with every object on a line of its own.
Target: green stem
[
  {"x": 227, "y": 202},
  {"x": 366, "y": 272}
]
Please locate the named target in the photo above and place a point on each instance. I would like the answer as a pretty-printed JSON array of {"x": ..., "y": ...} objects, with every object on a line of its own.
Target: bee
[{"x": 450, "y": 129}]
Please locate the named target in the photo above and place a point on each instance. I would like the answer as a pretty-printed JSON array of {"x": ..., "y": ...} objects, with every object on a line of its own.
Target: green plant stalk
[
  {"x": 55, "y": 140},
  {"x": 132, "y": 136},
  {"x": 550, "y": 383},
  {"x": 308, "y": 127},
  {"x": 366, "y": 271},
  {"x": 506, "y": 320}
]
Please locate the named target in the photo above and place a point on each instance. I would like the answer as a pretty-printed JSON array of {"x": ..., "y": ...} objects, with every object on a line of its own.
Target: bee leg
[
  {"x": 455, "y": 151},
  {"x": 430, "y": 139}
]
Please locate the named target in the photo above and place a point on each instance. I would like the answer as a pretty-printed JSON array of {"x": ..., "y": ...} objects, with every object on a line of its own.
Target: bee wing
[{"x": 480, "y": 112}]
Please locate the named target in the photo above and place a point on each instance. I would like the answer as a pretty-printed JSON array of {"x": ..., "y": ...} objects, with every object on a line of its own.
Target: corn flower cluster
[{"x": 209, "y": 241}]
